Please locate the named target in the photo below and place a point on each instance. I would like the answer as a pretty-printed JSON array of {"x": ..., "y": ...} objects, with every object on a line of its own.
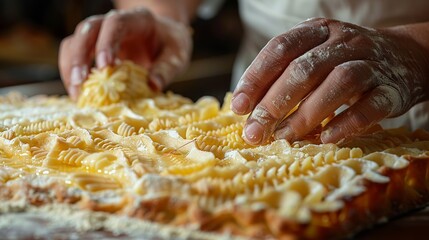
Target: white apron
[{"x": 264, "y": 19}]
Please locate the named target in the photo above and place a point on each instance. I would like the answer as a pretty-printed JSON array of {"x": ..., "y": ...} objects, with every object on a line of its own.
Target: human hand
[
  {"x": 159, "y": 44},
  {"x": 323, "y": 64}
]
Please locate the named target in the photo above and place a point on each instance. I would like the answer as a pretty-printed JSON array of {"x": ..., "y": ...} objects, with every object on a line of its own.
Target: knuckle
[
  {"x": 351, "y": 75},
  {"x": 140, "y": 14},
  {"x": 142, "y": 11},
  {"x": 345, "y": 76},
  {"x": 280, "y": 102},
  {"x": 362, "y": 41},
  {"x": 137, "y": 15},
  {"x": 334, "y": 23},
  {"x": 343, "y": 70},
  {"x": 317, "y": 28},
  {"x": 355, "y": 66},
  {"x": 114, "y": 18},
  {"x": 278, "y": 46},
  {"x": 65, "y": 43},
  {"x": 388, "y": 100},
  {"x": 120, "y": 19},
  {"x": 265, "y": 115},
  {"x": 273, "y": 111},
  {"x": 301, "y": 119},
  {"x": 81, "y": 25},
  {"x": 300, "y": 71},
  {"x": 318, "y": 20},
  {"x": 251, "y": 81},
  {"x": 347, "y": 30},
  {"x": 94, "y": 18},
  {"x": 327, "y": 22},
  {"x": 88, "y": 23},
  {"x": 315, "y": 22},
  {"x": 359, "y": 119}
]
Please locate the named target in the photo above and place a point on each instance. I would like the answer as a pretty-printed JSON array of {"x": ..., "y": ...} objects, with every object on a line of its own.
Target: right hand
[
  {"x": 157, "y": 43},
  {"x": 323, "y": 64}
]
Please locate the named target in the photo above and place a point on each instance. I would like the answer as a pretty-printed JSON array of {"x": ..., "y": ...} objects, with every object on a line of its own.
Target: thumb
[{"x": 167, "y": 66}]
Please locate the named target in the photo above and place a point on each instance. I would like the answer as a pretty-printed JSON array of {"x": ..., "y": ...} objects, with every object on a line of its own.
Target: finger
[
  {"x": 348, "y": 80},
  {"x": 116, "y": 26},
  {"x": 380, "y": 103},
  {"x": 164, "y": 69},
  {"x": 64, "y": 60},
  {"x": 174, "y": 56},
  {"x": 299, "y": 79},
  {"x": 273, "y": 60},
  {"x": 76, "y": 54}
]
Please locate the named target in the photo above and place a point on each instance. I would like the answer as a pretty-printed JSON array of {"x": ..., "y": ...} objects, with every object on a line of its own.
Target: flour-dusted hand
[
  {"x": 161, "y": 45},
  {"x": 323, "y": 64}
]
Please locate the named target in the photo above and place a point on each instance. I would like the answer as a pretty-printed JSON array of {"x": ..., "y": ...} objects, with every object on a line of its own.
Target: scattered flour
[{"x": 19, "y": 220}]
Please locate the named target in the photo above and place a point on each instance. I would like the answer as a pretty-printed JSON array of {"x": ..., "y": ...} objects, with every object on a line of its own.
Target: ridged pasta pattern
[{"x": 182, "y": 163}]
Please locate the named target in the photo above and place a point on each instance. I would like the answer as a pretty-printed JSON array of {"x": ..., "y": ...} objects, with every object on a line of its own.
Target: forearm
[{"x": 178, "y": 10}]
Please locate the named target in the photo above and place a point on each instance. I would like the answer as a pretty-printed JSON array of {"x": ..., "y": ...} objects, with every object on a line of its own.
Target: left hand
[
  {"x": 159, "y": 44},
  {"x": 323, "y": 64}
]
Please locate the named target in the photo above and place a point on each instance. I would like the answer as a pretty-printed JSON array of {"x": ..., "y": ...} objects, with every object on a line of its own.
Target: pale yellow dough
[
  {"x": 125, "y": 83},
  {"x": 123, "y": 148}
]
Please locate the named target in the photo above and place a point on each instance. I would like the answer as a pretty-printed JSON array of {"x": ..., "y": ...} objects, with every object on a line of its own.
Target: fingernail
[
  {"x": 155, "y": 82},
  {"x": 104, "y": 58},
  {"x": 240, "y": 104},
  {"x": 77, "y": 75},
  {"x": 253, "y": 133},
  {"x": 284, "y": 133}
]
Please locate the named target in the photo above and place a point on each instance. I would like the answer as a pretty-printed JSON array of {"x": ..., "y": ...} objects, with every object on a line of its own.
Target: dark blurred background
[{"x": 31, "y": 31}]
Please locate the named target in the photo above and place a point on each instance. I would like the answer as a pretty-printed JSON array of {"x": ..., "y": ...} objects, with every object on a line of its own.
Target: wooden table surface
[{"x": 413, "y": 225}]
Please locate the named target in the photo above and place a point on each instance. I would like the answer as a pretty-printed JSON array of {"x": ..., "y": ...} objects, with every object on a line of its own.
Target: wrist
[
  {"x": 415, "y": 39},
  {"x": 176, "y": 10}
]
